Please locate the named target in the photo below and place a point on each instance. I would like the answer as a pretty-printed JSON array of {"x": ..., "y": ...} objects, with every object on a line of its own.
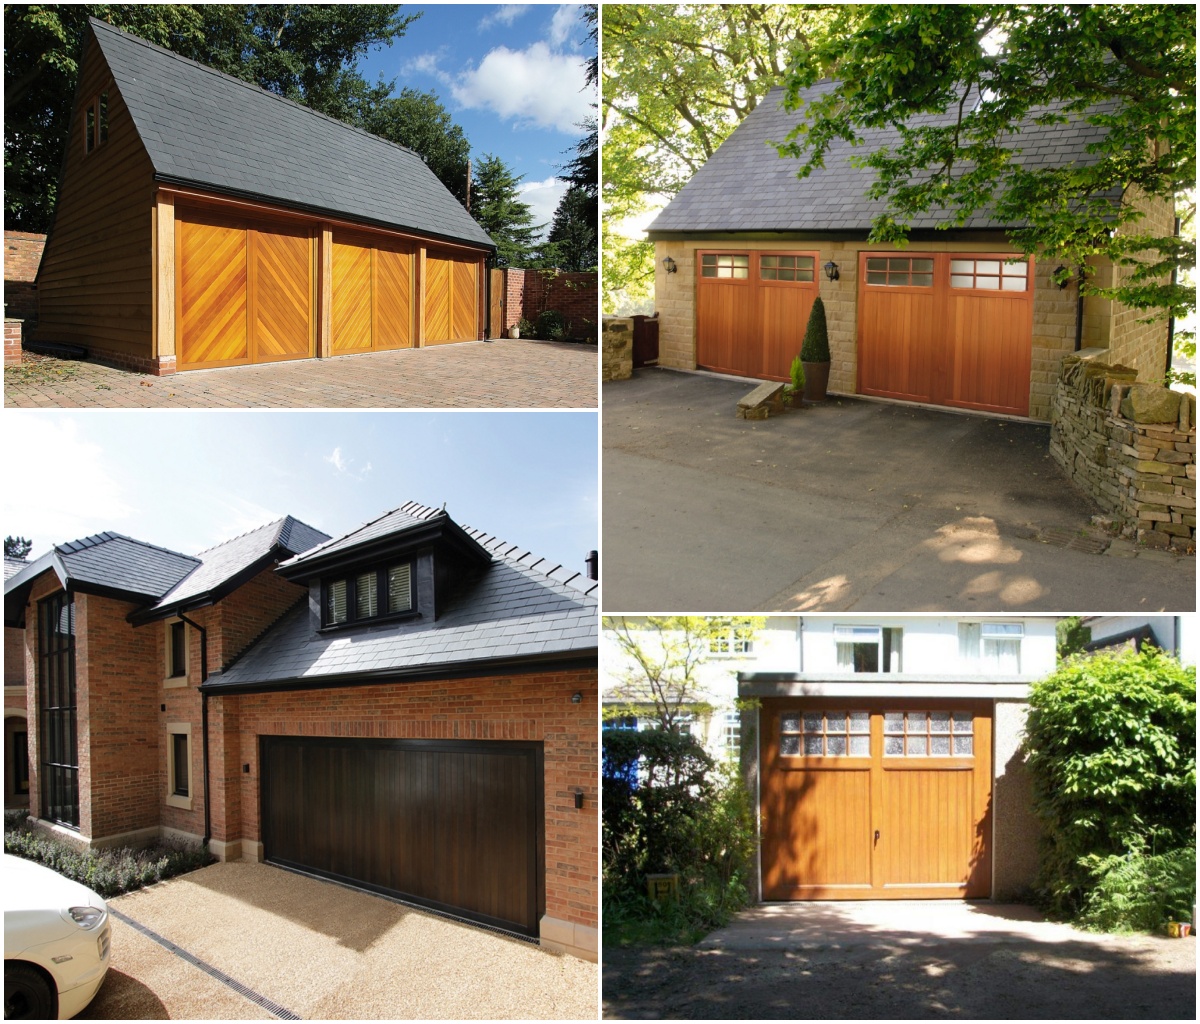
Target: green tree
[
  {"x": 1071, "y": 636},
  {"x": 497, "y": 206},
  {"x": 677, "y": 80},
  {"x": 571, "y": 243},
  {"x": 662, "y": 656},
  {"x": 1111, "y": 743},
  {"x": 17, "y": 547},
  {"x": 419, "y": 121},
  {"x": 308, "y": 53},
  {"x": 1128, "y": 68}
]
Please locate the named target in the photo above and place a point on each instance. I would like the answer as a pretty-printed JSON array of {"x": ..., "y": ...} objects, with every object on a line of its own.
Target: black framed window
[
  {"x": 371, "y": 594},
  {"x": 20, "y": 761},
  {"x": 179, "y": 763},
  {"x": 178, "y": 656},
  {"x": 59, "y": 753}
]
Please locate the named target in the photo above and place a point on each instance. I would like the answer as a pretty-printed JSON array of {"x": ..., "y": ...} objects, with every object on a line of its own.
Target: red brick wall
[
  {"x": 13, "y": 330},
  {"x": 523, "y": 707},
  {"x": 22, "y": 254},
  {"x": 14, "y": 659},
  {"x": 574, "y": 295}
]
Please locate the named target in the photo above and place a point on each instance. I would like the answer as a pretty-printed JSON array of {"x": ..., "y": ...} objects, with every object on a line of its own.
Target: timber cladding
[{"x": 879, "y": 799}]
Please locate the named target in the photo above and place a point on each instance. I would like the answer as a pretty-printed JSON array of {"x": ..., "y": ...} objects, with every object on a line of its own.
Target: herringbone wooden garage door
[
  {"x": 451, "y": 299},
  {"x": 372, "y": 294},
  {"x": 244, "y": 290}
]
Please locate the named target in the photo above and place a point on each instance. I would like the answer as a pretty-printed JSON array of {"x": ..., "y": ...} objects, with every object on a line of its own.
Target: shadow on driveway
[
  {"x": 905, "y": 959},
  {"x": 850, "y": 505}
]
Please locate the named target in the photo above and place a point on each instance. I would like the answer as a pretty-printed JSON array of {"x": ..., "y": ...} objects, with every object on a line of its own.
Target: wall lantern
[
  {"x": 669, "y": 265},
  {"x": 579, "y": 799},
  {"x": 577, "y": 698},
  {"x": 831, "y": 270}
]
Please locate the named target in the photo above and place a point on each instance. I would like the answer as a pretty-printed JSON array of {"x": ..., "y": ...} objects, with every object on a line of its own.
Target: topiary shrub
[
  {"x": 816, "y": 335},
  {"x": 1111, "y": 741}
]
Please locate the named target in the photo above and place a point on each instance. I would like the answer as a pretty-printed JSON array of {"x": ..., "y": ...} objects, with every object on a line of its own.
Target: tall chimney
[{"x": 593, "y": 565}]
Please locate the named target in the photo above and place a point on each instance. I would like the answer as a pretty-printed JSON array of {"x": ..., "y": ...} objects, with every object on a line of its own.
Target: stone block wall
[
  {"x": 1131, "y": 446},
  {"x": 616, "y": 348}
]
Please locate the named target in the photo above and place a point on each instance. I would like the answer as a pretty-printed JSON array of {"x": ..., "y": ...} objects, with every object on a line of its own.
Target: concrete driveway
[
  {"x": 850, "y": 505},
  {"x": 256, "y": 942},
  {"x": 508, "y": 373},
  {"x": 904, "y": 959}
]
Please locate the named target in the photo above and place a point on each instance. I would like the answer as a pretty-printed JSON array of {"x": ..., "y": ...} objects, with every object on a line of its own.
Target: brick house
[
  {"x": 959, "y": 318},
  {"x": 202, "y": 221},
  {"x": 409, "y": 708}
]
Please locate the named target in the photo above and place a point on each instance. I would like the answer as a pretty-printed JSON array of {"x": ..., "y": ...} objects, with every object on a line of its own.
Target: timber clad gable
[{"x": 186, "y": 236}]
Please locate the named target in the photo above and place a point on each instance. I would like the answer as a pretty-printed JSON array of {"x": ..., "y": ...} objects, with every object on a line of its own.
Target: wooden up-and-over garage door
[
  {"x": 751, "y": 310},
  {"x": 887, "y": 799},
  {"x": 946, "y": 328},
  {"x": 452, "y": 825}
]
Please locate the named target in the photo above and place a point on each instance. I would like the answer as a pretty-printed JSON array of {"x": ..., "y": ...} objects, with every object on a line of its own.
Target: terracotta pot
[{"x": 816, "y": 380}]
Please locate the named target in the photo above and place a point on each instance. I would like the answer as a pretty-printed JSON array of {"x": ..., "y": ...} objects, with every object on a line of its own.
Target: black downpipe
[
  {"x": 1171, "y": 318},
  {"x": 1079, "y": 277},
  {"x": 203, "y": 718},
  {"x": 487, "y": 299}
]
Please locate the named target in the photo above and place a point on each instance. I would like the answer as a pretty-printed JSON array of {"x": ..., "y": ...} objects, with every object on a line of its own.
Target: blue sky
[
  {"x": 187, "y": 480},
  {"x": 510, "y": 74}
]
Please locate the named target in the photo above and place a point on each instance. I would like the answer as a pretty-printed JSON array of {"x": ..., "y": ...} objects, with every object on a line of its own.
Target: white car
[{"x": 56, "y": 943}]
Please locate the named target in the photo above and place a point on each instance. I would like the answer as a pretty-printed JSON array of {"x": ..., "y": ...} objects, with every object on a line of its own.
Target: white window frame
[
  {"x": 974, "y": 650},
  {"x": 173, "y": 799},
  {"x": 847, "y": 634},
  {"x": 727, "y": 644}
]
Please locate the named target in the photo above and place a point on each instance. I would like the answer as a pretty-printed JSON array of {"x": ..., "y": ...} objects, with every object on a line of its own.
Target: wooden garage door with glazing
[
  {"x": 889, "y": 799},
  {"x": 947, "y": 328},
  {"x": 752, "y": 309},
  {"x": 245, "y": 290},
  {"x": 452, "y": 825}
]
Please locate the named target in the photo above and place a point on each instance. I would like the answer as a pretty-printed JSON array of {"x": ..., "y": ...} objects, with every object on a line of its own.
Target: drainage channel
[{"x": 269, "y": 1005}]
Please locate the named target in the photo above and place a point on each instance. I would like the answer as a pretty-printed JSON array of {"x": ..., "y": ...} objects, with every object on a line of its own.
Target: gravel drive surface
[{"x": 325, "y": 952}]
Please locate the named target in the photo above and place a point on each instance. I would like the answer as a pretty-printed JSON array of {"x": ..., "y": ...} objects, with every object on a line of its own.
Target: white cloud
[
  {"x": 345, "y": 466},
  {"x": 504, "y": 14},
  {"x": 63, "y": 488},
  {"x": 543, "y": 198},
  {"x": 534, "y": 86},
  {"x": 426, "y": 63},
  {"x": 563, "y": 24}
]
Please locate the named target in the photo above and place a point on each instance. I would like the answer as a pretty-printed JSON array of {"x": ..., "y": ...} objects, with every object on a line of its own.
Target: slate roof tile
[{"x": 206, "y": 128}]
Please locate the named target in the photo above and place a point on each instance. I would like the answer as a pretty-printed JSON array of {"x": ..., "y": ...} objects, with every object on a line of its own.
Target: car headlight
[{"x": 86, "y": 917}]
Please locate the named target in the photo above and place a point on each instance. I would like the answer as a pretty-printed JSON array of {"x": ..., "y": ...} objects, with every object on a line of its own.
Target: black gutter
[
  {"x": 203, "y": 718},
  {"x": 317, "y": 211},
  {"x": 451, "y": 670}
]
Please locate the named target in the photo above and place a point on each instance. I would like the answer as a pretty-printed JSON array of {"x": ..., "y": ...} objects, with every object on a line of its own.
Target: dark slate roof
[
  {"x": 395, "y": 523},
  {"x": 746, "y": 186},
  {"x": 205, "y": 128},
  {"x": 12, "y": 566},
  {"x": 519, "y": 607},
  {"x": 227, "y": 563}
]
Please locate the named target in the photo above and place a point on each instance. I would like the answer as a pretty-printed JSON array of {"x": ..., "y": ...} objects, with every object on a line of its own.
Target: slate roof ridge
[
  {"x": 514, "y": 555},
  {"x": 283, "y": 528},
  {"x": 429, "y": 514},
  {"x": 72, "y": 547},
  {"x": 94, "y": 22}
]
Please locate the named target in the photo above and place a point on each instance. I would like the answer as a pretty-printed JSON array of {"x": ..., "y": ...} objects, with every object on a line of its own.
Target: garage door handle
[{"x": 877, "y": 835}]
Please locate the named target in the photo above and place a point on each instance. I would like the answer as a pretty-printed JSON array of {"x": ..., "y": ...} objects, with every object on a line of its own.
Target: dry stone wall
[
  {"x": 1131, "y": 446},
  {"x": 616, "y": 348}
]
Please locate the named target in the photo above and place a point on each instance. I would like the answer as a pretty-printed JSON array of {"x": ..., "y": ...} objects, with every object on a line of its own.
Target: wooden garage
[
  {"x": 880, "y": 799},
  {"x": 202, "y": 221},
  {"x": 946, "y": 328},
  {"x": 752, "y": 308},
  {"x": 452, "y": 825}
]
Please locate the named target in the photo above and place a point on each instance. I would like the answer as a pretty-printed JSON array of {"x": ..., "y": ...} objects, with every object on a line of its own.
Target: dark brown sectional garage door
[{"x": 453, "y": 825}]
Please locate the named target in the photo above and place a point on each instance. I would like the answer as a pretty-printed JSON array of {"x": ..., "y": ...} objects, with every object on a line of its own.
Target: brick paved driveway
[{"x": 508, "y": 373}]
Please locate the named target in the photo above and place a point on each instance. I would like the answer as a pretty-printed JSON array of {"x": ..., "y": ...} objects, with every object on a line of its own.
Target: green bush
[
  {"x": 551, "y": 325},
  {"x": 1140, "y": 891},
  {"x": 108, "y": 872},
  {"x": 797, "y": 376},
  {"x": 526, "y": 328},
  {"x": 669, "y": 808},
  {"x": 1112, "y": 750},
  {"x": 816, "y": 335}
]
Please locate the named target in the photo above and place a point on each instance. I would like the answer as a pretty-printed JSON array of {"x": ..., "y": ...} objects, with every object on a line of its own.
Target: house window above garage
[
  {"x": 368, "y": 594},
  {"x": 724, "y": 264},
  {"x": 900, "y": 271},
  {"x": 989, "y": 274},
  {"x": 991, "y": 646},
  {"x": 868, "y": 648},
  {"x": 731, "y": 642}
]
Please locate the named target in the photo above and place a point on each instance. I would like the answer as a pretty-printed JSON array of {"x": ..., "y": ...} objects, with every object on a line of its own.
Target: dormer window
[{"x": 370, "y": 594}]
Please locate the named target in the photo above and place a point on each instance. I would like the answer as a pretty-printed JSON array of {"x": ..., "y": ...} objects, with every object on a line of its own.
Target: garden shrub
[
  {"x": 1140, "y": 891},
  {"x": 551, "y": 325},
  {"x": 815, "y": 347},
  {"x": 1112, "y": 750},
  {"x": 669, "y": 808},
  {"x": 107, "y": 872}
]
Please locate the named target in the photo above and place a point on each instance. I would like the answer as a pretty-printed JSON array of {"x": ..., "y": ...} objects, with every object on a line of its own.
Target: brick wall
[
  {"x": 14, "y": 657},
  {"x": 22, "y": 254},
  {"x": 675, "y": 303},
  {"x": 522, "y": 707},
  {"x": 13, "y": 331},
  {"x": 574, "y": 295}
]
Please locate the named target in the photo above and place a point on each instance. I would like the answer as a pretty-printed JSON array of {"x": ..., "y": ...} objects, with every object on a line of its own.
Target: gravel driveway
[
  {"x": 904, "y": 959},
  {"x": 322, "y": 951}
]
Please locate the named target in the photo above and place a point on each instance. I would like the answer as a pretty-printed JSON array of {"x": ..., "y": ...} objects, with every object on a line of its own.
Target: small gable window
[
  {"x": 96, "y": 123},
  {"x": 373, "y": 594}
]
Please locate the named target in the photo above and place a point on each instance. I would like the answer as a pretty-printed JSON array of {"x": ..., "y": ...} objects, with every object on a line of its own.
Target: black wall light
[
  {"x": 669, "y": 265},
  {"x": 577, "y": 698},
  {"x": 579, "y": 799},
  {"x": 831, "y": 270}
]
